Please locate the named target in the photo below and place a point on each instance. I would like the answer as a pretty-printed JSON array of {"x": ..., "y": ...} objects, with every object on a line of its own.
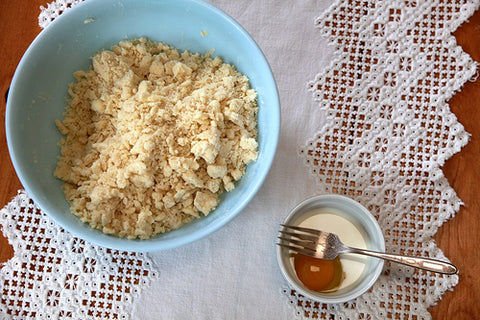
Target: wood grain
[
  {"x": 458, "y": 238},
  {"x": 18, "y": 28}
]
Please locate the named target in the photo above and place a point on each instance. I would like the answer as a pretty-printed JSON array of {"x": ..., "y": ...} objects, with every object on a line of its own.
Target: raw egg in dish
[
  {"x": 319, "y": 274},
  {"x": 347, "y": 269}
]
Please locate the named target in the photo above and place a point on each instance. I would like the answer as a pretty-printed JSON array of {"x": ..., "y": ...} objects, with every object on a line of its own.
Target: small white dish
[{"x": 355, "y": 226}]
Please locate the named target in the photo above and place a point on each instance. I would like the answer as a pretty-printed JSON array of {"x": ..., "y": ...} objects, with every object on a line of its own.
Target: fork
[{"x": 325, "y": 245}]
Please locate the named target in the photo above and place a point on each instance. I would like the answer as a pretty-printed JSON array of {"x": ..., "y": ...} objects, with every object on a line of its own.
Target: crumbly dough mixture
[{"x": 152, "y": 136}]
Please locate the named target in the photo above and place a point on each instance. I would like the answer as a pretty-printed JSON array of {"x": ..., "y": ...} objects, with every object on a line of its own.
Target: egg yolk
[{"x": 318, "y": 274}]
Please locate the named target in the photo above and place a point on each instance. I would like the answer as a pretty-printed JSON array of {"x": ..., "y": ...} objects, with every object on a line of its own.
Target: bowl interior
[
  {"x": 363, "y": 221},
  {"x": 39, "y": 91}
]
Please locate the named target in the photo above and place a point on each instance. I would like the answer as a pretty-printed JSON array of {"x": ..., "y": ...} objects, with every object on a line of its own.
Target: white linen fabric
[{"x": 364, "y": 109}]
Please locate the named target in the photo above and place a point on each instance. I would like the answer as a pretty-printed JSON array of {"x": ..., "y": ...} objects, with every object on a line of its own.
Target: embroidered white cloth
[
  {"x": 363, "y": 88},
  {"x": 56, "y": 276}
]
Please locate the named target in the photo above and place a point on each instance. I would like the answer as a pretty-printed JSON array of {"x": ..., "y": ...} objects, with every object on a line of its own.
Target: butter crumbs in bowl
[
  {"x": 113, "y": 188},
  {"x": 153, "y": 136}
]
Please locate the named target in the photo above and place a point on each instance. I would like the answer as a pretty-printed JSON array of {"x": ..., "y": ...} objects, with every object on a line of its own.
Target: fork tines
[
  {"x": 299, "y": 240},
  {"x": 303, "y": 229}
]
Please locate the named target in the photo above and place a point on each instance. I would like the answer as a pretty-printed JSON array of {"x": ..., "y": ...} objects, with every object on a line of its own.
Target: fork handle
[{"x": 422, "y": 263}]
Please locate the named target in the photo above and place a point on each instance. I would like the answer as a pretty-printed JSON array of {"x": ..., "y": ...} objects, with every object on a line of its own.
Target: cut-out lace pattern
[
  {"x": 53, "y": 10},
  {"x": 389, "y": 131},
  {"x": 54, "y": 275}
]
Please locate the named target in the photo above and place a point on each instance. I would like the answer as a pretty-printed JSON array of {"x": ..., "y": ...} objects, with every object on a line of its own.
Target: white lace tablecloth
[{"x": 363, "y": 88}]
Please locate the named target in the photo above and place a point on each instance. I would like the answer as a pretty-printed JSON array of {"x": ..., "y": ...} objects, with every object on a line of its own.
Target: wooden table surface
[{"x": 458, "y": 238}]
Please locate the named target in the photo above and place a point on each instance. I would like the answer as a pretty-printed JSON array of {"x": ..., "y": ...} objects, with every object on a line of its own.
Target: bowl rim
[
  {"x": 155, "y": 243},
  {"x": 357, "y": 291}
]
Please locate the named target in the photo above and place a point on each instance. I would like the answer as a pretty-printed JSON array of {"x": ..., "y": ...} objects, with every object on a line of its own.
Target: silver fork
[{"x": 326, "y": 245}]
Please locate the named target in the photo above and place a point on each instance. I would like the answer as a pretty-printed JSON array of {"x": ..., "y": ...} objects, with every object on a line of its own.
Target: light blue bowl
[{"x": 39, "y": 90}]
